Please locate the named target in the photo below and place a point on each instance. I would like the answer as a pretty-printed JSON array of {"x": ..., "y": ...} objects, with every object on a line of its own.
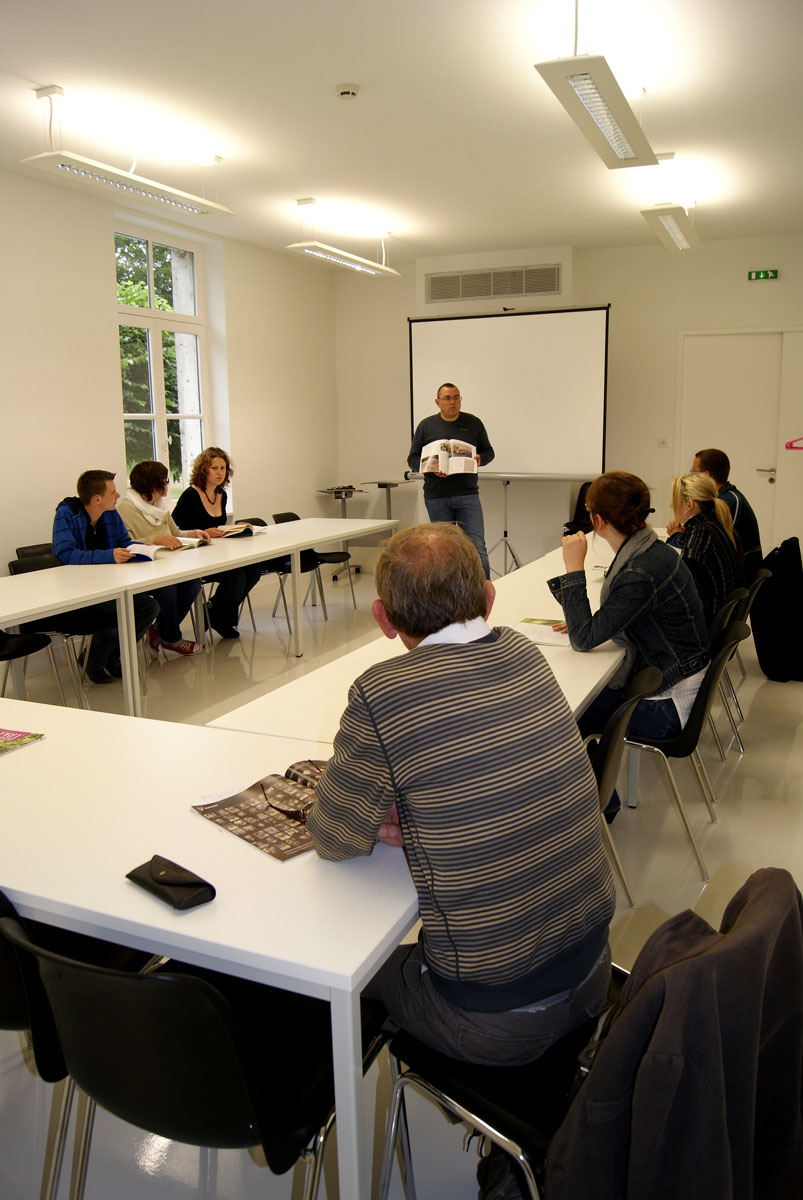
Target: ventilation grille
[{"x": 494, "y": 282}]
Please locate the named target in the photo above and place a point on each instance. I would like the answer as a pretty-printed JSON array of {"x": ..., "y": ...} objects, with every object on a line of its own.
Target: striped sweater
[{"x": 477, "y": 745}]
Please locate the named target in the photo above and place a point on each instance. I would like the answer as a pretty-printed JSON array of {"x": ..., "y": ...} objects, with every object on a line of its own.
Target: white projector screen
[{"x": 537, "y": 381}]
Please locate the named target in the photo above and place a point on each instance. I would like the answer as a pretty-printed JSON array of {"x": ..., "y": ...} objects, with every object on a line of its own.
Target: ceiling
[{"x": 454, "y": 144}]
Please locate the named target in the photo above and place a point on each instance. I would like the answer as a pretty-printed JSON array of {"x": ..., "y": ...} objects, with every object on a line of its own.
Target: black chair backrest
[
  {"x": 685, "y": 743},
  {"x": 36, "y": 562},
  {"x": 760, "y": 577},
  {"x": 580, "y": 520},
  {"x": 253, "y": 521},
  {"x": 607, "y": 757},
  {"x": 726, "y": 613},
  {"x": 23, "y": 1003},
  {"x": 156, "y": 1050},
  {"x": 280, "y": 518},
  {"x": 35, "y": 550}
]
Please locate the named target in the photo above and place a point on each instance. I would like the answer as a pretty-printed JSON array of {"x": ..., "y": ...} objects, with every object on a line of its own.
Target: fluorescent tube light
[
  {"x": 587, "y": 89},
  {"x": 76, "y": 168},
  {"x": 672, "y": 226},
  {"x": 340, "y": 258}
]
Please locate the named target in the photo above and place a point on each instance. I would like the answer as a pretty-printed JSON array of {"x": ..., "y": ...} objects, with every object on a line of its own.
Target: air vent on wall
[{"x": 493, "y": 283}]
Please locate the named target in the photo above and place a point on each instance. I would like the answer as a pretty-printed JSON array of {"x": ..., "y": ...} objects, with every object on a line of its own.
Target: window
[{"x": 161, "y": 354}]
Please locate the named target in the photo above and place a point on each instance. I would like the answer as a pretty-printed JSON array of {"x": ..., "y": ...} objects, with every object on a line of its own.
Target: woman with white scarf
[{"x": 147, "y": 518}]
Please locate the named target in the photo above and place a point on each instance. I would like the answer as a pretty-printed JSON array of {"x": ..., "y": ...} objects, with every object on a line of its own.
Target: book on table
[
  {"x": 449, "y": 458},
  {"x": 271, "y": 814},
  {"x": 10, "y": 739},
  {"x": 540, "y": 631},
  {"x": 144, "y": 550}
]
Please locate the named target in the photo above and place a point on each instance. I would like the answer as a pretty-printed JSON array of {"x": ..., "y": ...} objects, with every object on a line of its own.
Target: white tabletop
[
  {"x": 311, "y": 706},
  {"x": 100, "y": 794},
  {"x": 60, "y": 589}
]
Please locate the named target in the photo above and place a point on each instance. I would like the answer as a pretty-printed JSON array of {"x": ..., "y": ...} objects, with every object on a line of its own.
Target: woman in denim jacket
[{"x": 649, "y": 605}]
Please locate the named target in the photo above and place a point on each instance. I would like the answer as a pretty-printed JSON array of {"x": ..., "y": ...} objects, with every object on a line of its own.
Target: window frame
[{"x": 155, "y": 322}]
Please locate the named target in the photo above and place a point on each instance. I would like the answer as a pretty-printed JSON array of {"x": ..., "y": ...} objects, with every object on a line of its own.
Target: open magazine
[
  {"x": 449, "y": 457},
  {"x": 271, "y": 814},
  {"x": 140, "y": 550}
]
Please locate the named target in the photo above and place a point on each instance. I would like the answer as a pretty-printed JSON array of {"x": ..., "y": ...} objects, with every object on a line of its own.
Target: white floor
[{"x": 760, "y": 824}]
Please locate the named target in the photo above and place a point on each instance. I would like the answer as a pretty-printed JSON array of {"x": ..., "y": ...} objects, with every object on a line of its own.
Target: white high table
[
  {"x": 100, "y": 794},
  {"x": 43, "y": 593},
  {"x": 311, "y": 705}
]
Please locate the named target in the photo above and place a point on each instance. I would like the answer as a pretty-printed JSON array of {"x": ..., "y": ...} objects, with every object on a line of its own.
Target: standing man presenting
[{"x": 454, "y": 498}]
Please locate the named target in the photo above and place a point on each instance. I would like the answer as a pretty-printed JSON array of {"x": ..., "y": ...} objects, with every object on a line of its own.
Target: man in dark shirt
[
  {"x": 454, "y": 498},
  {"x": 87, "y": 530},
  {"x": 717, "y": 464}
]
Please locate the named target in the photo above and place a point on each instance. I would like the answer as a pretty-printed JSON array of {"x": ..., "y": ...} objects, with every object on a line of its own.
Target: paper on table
[{"x": 540, "y": 631}]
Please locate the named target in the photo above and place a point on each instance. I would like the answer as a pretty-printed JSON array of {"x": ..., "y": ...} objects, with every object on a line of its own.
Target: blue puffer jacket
[
  {"x": 653, "y": 610},
  {"x": 69, "y": 534}
]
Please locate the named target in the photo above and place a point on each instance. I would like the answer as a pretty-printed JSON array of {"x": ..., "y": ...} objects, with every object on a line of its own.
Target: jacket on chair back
[{"x": 696, "y": 1091}]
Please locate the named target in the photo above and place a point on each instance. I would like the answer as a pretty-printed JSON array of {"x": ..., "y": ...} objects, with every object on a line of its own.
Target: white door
[{"x": 731, "y": 389}]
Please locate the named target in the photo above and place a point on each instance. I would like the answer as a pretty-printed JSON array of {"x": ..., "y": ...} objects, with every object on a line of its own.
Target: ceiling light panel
[
  {"x": 672, "y": 226},
  {"x": 331, "y": 256},
  {"x": 587, "y": 89},
  {"x": 135, "y": 189}
]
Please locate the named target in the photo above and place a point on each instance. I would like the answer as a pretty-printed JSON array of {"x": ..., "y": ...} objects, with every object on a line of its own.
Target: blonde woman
[{"x": 703, "y": 531}]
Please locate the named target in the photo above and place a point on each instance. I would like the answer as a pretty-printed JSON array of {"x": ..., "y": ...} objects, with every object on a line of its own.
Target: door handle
[{"x": 766, "y": 470}]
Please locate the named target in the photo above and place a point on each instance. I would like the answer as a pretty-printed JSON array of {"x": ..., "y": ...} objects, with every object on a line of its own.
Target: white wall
[
  {"x": 654, "y": 296},
  {"x": 61, "y": 406},
  {"x": 271, "y": 348},
  {"x": 281, "y": 381}
]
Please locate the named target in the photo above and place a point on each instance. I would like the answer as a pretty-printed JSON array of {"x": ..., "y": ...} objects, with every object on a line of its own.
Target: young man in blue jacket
[{"x": 87, "y": 530}]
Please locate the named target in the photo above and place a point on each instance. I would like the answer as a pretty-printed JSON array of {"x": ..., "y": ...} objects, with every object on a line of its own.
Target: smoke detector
[{"x": 347, "y": 91}]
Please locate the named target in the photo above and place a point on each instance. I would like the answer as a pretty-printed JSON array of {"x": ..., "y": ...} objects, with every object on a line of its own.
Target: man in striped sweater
[{"x": 465, "y": 753}]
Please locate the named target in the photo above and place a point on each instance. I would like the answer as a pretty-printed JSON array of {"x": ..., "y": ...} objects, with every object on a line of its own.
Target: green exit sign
[{"x": 771, "y": 273}]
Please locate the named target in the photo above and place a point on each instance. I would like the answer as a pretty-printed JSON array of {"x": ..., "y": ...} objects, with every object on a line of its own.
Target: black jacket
[{"x": 696, "y": 1091}]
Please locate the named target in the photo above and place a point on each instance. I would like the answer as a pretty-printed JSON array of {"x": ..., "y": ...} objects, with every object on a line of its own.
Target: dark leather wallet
[{"x": 171, "y": 883}]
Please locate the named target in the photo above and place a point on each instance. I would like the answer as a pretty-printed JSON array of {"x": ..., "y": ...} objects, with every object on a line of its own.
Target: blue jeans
[
  {"x": 652, "y": 718},
  {"x": 465, "y": 511}
]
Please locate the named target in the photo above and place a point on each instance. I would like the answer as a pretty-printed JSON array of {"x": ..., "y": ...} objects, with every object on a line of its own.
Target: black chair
[
  {"x": 42, "y": 562},
  {"x": 684, "y": 744},
  {"x": 198, "y": 1057},
  {"x": 517, "y": 1108},
  {"x": 280, "y": 567},
  {"x": 580, "y": 521},
  {"x": 331, "y": 558},
  {"x": 726, "y": 614},
  {"x": 24, "y": 1007},
  {"x": 607, "y": 757},
  {"x": 34, "y": 551},
  {"x": 758, "y": 580},
  {"x": 20, "y": 645}
]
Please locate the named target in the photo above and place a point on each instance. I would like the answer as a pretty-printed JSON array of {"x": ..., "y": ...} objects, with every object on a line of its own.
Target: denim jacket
[{"x": 653, "y": 610}]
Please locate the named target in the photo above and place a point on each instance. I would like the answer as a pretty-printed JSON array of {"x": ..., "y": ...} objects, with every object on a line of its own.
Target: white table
[
  {"x": 58, "y": 589},
  {"x": 311, "y": 706},
  {"x": 102, "y": 793}
]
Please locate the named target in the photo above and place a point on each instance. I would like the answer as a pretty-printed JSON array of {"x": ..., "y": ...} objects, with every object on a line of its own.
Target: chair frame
[
  {"x": 607, "y": 758},
  {"x": 685, "y": 744}
]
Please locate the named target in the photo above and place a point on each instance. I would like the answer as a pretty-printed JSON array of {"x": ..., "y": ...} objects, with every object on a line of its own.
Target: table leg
[
  {"x": 352, "y": 1134},
  {"x": 128, "y": 654},
  {"x": 295, "y": 580}
]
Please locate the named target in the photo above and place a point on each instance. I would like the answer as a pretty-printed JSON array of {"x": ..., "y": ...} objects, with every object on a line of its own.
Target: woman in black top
[
  {"x": 703, "y": 531},
  {"x": 203, "y": 505}
]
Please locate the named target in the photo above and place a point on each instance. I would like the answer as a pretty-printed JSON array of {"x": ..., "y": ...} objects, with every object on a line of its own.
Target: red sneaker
[{"x": 182, "y": 647}]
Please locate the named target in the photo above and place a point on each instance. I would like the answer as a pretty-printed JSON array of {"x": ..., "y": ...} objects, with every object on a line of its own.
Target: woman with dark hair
[
  {"x": 703, "y": 532},
  {"x": 649, "y": 605},
  {"x": 203, "y": 504},
  {"x": 147, "y": 519}
]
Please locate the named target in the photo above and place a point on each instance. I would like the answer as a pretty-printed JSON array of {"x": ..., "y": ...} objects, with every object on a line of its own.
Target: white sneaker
[{"x": 182, "y": 647}]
